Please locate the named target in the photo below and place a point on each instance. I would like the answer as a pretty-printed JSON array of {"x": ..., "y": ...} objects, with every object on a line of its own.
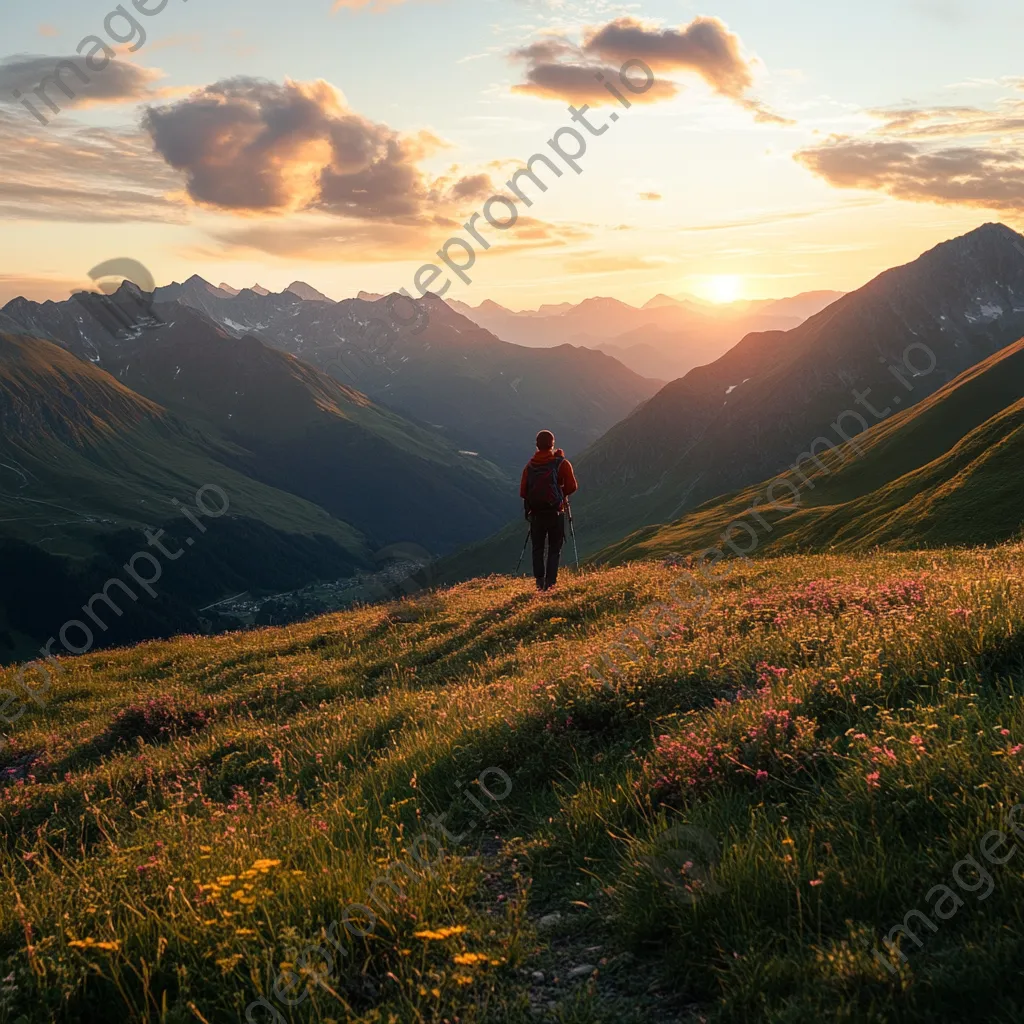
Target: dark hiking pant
[{"x": 550, "y": 527}]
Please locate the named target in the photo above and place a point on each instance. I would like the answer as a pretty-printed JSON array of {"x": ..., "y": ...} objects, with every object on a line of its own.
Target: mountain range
[
  {"x": 751, "y": 412},
  {"x": 339, "y": 433},
  {"x": 481, "y": 394},
  {"x": 778, "y": 397},
  {"x": 663, "y": 339},
  {"x": 944, "y": 472}
]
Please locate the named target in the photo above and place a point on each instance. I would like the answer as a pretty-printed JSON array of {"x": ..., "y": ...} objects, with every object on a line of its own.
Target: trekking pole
[
  {"x": 521, "y": 553},
  {"x": 572, "y": 528}
]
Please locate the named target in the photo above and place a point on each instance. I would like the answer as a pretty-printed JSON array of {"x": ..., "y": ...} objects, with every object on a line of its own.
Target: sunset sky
[{"x": 785, "y": 147}]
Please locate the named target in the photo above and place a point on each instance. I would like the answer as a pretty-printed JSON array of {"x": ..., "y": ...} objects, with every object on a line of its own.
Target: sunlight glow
[{"x": 724, "y": 288}]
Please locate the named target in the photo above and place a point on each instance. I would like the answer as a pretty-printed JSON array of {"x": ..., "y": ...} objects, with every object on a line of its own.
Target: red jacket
[{"x": 566, "y": 477}]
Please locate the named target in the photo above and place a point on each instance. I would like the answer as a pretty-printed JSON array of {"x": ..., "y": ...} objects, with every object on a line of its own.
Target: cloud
[
  {"x": 950, "y": 122},
  {"x": 374, "y": 5},
  {"x": 557, "y": 68},
  {"x": 313, "y": 237},
  {"x": 705, "y": 47},
  {"x": 602, "y": 263},
  {"x": 69, "y": 82},
  {"x": 94, "y": 175},
  {"x": 579, "y": 83},
  {"x": 48, "y": 31},
  {"x": 250, "y": 145},
  {"x": 650, "y": 197},
  {"x": 974, "y": 176},
  {"x": 954, "y": 155}
]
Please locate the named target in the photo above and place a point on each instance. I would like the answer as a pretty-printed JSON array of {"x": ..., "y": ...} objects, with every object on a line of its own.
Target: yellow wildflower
[
  {"x": 229, "y": 963},
  {"x": 468, "y": 959},
  {"x": 440, "y": 933},
  {"x": 462, "y": 979},
  {"x": 91, "y": 943},
  {"x": 244, "y": 932}
]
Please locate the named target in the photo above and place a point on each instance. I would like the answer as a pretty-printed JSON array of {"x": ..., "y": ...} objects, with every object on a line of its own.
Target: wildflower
[
  {"x": 91, "y": 943},
  {"x": 761, "y": 776},
  {"x": 439, "y": 934},
  {"x": 872, "y": 779},
  {"x": 229, "y": 963},
  {"x": 1004, "y": 732},
  {"x": 468, "y": 959},
  {"x": 462, "y": 979},
  {"x": 816, "y": 882},
  {"x": 265, "y": 865},
  {"x": 917, "y": 741},
  {"x": 244, "y": 932}
]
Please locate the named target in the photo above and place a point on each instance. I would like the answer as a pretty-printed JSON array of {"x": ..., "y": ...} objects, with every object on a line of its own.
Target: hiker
[{"x": 547, "y": 483}]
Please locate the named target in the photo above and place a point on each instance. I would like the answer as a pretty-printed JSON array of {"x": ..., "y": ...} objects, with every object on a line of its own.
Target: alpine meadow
[{"x": 570, "y": 568}]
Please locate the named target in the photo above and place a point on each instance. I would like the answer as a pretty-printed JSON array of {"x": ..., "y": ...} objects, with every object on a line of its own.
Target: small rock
[
  {"x": 549, "y": 921},
  {"x": 538, "y": 976},
  {"x": 582, "y": 970}
]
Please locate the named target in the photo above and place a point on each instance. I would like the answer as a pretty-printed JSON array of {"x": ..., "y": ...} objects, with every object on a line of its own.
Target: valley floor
[{"x": 616, "y": 803}]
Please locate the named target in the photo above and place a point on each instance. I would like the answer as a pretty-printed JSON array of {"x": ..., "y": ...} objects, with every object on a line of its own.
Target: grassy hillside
[
  {"x": 944, "y": 472},
  {"x": 728, "y": 804}
]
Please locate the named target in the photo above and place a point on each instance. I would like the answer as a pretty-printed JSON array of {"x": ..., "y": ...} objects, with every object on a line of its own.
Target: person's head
[{"x": 545, "y": 441}]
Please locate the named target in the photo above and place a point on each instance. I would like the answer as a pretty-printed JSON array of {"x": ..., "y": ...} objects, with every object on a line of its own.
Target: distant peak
[
  {"x": 227, "y": 288},
  {"x": 200, "y": 282},
  {"x": 259, "y": 289},
  {"x": 307, "y": 292}
]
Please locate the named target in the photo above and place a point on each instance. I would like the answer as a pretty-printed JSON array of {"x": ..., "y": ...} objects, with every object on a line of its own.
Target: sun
[{"x": 724, "y": 288}]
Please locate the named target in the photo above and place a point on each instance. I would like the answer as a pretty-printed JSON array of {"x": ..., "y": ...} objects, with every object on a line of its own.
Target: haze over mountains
[
  {"x": 343, "y": 432},
  {"x": 778, "y": 396},
  {"x": 483, "y": 394},
  {"x": 664, "y": 339},
  {"x": 750, "y": 413}
]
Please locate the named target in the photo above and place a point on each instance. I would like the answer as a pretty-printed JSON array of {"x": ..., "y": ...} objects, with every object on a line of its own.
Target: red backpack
[{"x": 543, "y": 491}]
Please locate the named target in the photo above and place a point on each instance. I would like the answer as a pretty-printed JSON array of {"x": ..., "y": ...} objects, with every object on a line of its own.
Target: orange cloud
[
  {"x": 374, "y": 5},
  {"x": 558, "y": 68},
  {"x": 247, "y": 145},
  {"x": 322, "y": 239},
  {"x": 954, "y": 155},
  {"x": 88, "y": 175},
  {"x": 977, "y": 176}
]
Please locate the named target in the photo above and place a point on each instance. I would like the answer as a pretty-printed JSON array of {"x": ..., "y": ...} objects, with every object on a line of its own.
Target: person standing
[{"x": 547, "y": 482}]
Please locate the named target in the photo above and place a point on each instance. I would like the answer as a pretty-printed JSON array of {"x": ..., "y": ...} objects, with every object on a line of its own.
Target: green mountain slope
[
  {"x": 746, "y": 416},
  {"x": 393, "y": 480},
  {"x": 943, "y": 472},
  {"x": 86, "y": 465}
]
